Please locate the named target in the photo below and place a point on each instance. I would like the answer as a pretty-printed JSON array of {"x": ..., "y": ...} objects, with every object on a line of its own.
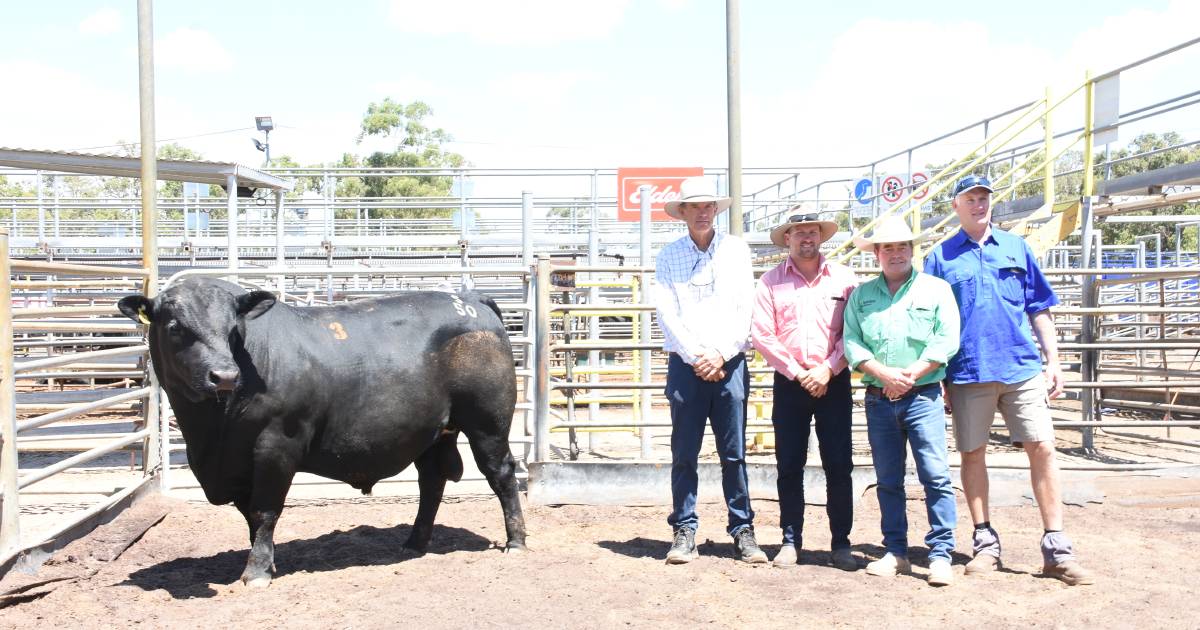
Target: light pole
[{"x": 264, "y": 125}]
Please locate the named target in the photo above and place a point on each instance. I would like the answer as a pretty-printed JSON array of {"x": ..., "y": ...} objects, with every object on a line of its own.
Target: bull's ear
[
  {"x": 139, "y": 308},
  {"x": 255, "y": 303}
]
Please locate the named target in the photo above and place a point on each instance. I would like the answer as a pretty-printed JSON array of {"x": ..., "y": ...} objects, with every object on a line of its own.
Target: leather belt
[{"x": 878, "y": 391}]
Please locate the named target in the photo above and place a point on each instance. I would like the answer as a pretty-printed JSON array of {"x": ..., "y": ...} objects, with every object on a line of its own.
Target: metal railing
[{"x": 80, "y": 364}]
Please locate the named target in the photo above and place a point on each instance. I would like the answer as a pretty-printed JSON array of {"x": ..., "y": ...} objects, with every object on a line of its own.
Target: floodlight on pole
[{"x": 265, "y": 125}]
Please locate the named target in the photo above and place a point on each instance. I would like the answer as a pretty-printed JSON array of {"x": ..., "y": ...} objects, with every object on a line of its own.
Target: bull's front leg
[{"x": 272, "y": 478}]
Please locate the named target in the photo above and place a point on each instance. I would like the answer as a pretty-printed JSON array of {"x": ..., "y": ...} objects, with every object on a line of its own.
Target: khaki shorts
[{"x": 1023, "y": 405}]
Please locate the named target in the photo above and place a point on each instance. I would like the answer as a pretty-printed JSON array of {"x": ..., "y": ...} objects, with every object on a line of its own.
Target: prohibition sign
[
  {"x": 892, "y": 188},
  {"x": 916, "y": 181}
]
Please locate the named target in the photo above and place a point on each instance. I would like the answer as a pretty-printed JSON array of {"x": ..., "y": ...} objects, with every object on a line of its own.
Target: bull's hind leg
[
  {"x": 495, "y": 460},
  {"x": 437, "y": 464}
]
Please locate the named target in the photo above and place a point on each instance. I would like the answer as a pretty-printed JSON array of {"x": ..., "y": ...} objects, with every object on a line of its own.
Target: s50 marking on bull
[
  {"x": 262, "y": 390},
  {"x": 463, "y": 309}
]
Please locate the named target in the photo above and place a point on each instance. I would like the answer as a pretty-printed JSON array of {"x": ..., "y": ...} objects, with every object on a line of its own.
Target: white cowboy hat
[
  {"x": 778, "y": 233},
  {"x": 891, "y": 229},
  {"x": 697, "y": 190}
]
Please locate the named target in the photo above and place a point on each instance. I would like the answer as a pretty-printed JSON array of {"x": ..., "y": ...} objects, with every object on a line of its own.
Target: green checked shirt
[{"x": 920, "y": 322}]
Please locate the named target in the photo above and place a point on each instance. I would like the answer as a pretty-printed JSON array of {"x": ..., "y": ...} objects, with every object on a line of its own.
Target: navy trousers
[
  {"x": 694, "y": 402},
  {"x": 792, "y": 414}
]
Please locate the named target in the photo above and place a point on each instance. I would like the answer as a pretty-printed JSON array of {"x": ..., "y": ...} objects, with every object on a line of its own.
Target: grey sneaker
[
  {"x": 746, "y": 547},
  {"x": 683, "y": 549}
]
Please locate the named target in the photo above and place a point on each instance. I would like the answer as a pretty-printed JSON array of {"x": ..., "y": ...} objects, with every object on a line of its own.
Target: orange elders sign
[{"x": 664, "y": 187}]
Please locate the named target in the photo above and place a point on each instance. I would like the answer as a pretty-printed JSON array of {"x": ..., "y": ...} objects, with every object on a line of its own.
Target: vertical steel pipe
[
  {"x": 152, "y": 451},
  {"x": 526, "y": 229},
  {"x": 10, "y": 531},
  {"x": 644, "y": 261},
  {"x": 231, "y": 203},
  {"x": 733, "y": 51},
  {"x": 541, "y": 350},
  {"x": 1088, "y": 299}
]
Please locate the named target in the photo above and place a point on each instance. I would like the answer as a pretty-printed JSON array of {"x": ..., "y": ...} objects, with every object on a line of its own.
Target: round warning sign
[
  {"x": 917, "y": 180},
  {"x": 892, "y": 188}
]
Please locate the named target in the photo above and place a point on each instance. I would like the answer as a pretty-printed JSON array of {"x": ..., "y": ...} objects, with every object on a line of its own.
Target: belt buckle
[{"x": 894, "y": 398}]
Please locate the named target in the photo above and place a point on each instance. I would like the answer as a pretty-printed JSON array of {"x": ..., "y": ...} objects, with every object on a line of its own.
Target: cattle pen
[{"x": 95, "y": 480}]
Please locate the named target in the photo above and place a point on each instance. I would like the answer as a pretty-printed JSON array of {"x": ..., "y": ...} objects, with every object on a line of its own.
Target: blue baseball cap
[{"x": 972, "y": 181}]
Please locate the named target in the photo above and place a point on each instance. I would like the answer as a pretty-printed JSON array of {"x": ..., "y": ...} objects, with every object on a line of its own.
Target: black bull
[{"x": 354, "y": 392}]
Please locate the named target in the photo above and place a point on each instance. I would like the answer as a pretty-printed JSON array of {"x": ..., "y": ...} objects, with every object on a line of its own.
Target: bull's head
[{"x": 196, "y": 326}]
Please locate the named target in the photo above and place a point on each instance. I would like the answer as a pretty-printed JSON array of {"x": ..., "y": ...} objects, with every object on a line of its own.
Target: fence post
[
  {"x": 10, "y": 532},
  {"x": 541, "y": 349},
  {"x": 1087, "y": 357},
  {"x": 644, "y": 319}
]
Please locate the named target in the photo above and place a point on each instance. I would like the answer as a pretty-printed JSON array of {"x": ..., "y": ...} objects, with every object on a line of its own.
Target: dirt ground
[{"x": 340, "y": 566}]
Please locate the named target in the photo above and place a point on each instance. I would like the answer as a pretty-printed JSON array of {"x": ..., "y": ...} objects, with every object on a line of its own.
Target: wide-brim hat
[
  {"x": 891, "y": 229},
  {"x": 779, "y": 232},
  {"x": 697, "y": 190}
]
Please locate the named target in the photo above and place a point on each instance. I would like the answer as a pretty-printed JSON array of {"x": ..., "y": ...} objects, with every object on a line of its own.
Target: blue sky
[{"x": 547, "y": 83}]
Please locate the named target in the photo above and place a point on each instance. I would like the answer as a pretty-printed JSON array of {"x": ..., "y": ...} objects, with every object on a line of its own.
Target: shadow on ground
[{"x": 362, "y": 546}]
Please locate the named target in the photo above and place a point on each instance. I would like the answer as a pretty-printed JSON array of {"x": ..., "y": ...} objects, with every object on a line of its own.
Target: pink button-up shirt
[{"x": 797, "y": 324}]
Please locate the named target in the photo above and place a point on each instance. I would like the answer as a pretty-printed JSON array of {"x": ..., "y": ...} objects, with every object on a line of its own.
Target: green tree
[
  {"x": 13, "y": 189},
  {"x": 419, "y": 146},
  {"x": 1120, "y": 163}
]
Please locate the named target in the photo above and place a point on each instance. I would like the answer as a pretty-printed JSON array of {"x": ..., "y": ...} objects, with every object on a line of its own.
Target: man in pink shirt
[{"x": 797, "y": 326}]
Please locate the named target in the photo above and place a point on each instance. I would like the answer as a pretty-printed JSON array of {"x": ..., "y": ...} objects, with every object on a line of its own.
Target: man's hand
[
  {"x": 946, "y": 397},
  {"x": 709, "y": 366},
  {"x": 816, "y": 380},
  {"x": 895, "y": 382},
  {"x": 1054, "y": 379}
]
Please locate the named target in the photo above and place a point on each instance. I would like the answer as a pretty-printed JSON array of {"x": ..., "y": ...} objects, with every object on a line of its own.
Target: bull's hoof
[
  {"x": 261, "y": 581},
  {"x": 412, "y": 551},
  {"x": 516, "y": 549}
]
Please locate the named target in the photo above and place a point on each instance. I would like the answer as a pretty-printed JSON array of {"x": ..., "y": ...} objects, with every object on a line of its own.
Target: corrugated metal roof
[{"x": 120, "y": 166}]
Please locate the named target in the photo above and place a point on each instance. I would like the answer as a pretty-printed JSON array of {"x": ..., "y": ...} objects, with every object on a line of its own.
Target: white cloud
[
  {"x": 191, "y": 50},
  {"x": 106, "y": 21},
  {"x": 532, "y": 22}
]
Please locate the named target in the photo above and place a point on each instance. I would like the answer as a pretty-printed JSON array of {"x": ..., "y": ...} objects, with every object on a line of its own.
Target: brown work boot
[
  {"x": 983, "y": 563},
  {"x": 1070, "y": 572}
]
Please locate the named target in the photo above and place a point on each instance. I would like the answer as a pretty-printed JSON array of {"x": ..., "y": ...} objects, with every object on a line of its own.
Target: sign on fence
[{"x": 664, "y": 187}]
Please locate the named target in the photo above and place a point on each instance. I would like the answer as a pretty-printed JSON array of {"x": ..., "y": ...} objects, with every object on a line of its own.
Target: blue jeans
[
  {"x": 693, "y": 402},
  {"x": 791, "y": 414},
  {"x": 919, "y": 419}
]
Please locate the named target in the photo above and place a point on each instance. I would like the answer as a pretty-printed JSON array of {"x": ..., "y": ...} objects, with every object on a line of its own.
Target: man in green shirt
[{"x": 901, "y": 328}]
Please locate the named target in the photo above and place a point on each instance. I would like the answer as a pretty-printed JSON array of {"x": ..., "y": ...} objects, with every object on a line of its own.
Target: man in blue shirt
[{"x": 1003, "y": 301}]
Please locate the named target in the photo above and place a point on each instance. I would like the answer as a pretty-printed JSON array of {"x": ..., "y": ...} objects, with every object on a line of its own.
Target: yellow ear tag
[{"x": 143, "y": 317}]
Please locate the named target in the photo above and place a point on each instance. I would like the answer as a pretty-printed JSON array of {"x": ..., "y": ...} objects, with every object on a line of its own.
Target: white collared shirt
[{"x": 704, "y": 298}]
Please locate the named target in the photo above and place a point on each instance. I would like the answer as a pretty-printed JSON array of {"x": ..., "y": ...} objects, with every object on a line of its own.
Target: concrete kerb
[{"x": 649, "y": 483}]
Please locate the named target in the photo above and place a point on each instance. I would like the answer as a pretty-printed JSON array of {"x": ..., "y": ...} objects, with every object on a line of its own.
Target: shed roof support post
[{"x": 231, "y": 221}]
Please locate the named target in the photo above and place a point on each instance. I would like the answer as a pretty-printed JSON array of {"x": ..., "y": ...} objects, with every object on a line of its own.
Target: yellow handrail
[{"x": 995, "y": 143}]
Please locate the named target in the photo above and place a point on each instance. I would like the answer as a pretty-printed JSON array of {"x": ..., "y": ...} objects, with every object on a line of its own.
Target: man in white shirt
[{"x": 704, "y": 292}]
